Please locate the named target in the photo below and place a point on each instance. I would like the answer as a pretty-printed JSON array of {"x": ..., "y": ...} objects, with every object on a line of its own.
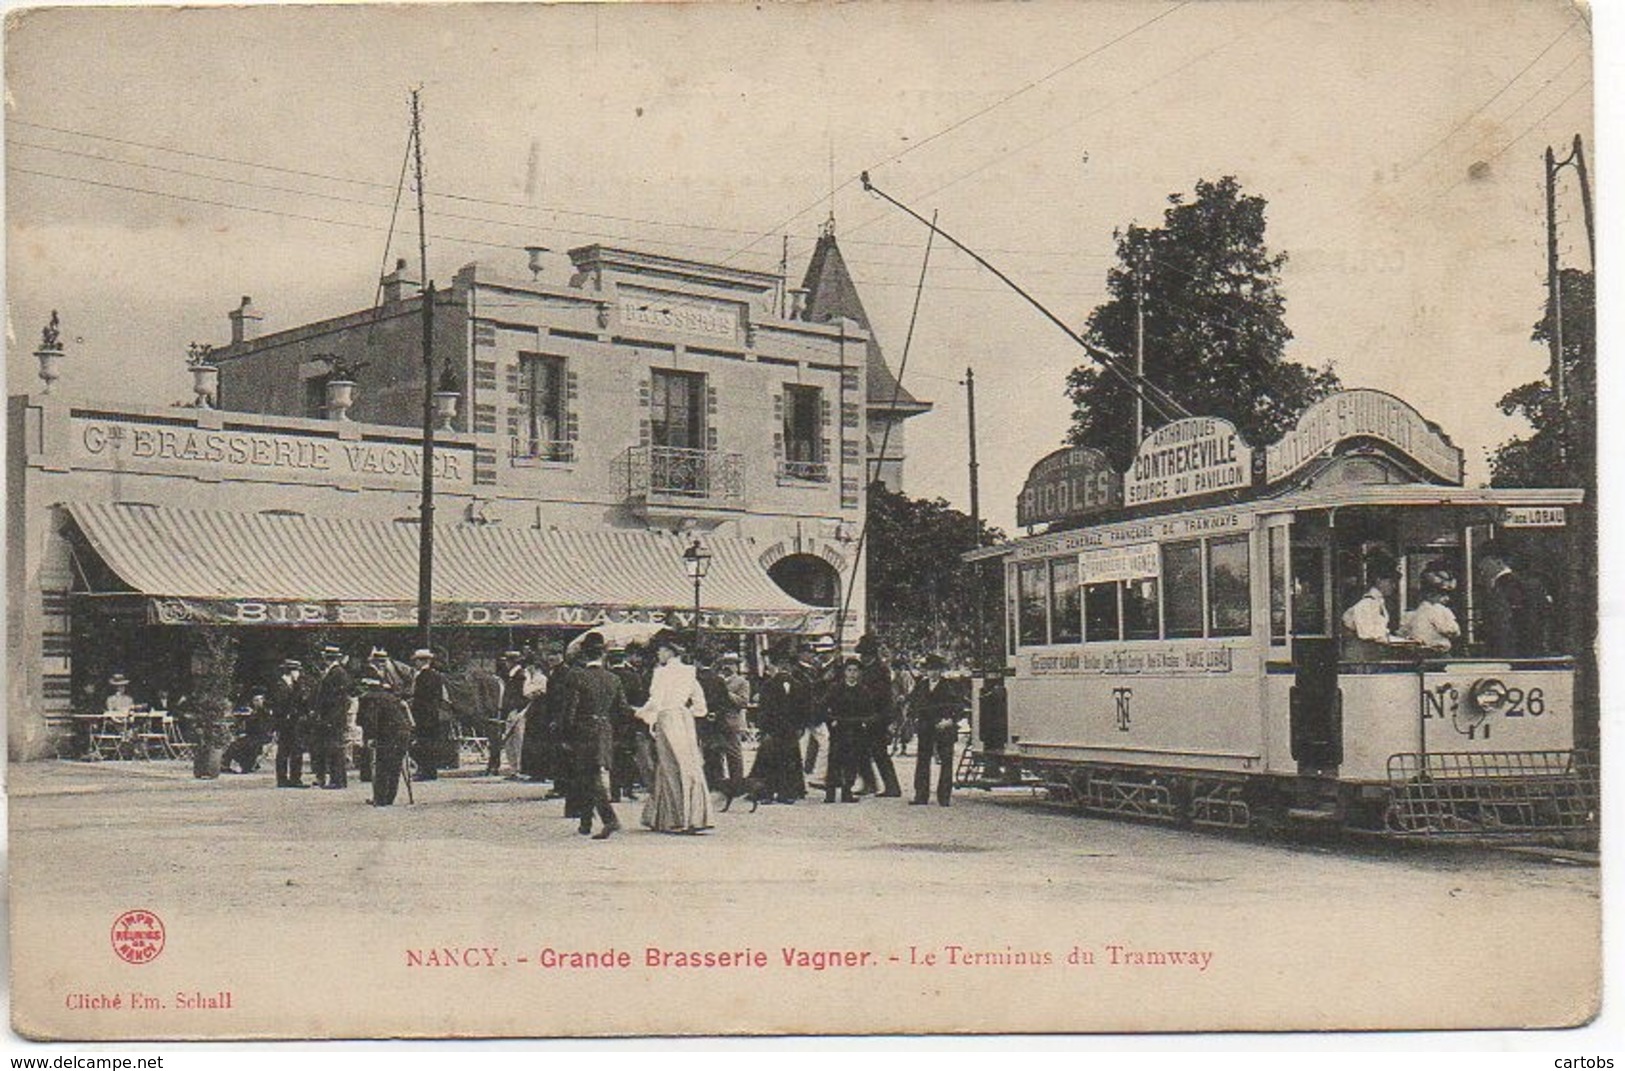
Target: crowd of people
[{"x": 661, "y": 722}]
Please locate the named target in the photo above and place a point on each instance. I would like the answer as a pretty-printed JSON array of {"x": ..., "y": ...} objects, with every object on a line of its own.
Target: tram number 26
[{"x": 1484, "y": 699}]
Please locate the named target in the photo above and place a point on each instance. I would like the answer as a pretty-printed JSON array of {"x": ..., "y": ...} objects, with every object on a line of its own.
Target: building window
[
  {"x": 677, "y": 410},
  {"x": 1032, "y": 611},
  {"x": 1066, "y": 608},
  {"x": 803, "y": 434},
  {"x": 542, "y": 434},
  {"x": 1182, "y": 569},
  {"x": 1141, "y": 610},
  {"x": 1230, "y": 600},
  {"x": 316, "y": 396}
]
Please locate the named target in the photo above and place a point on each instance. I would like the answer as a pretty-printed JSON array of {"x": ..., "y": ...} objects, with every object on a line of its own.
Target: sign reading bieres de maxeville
[
  {"x": 1075, "y": 481},
  {"x": 265, "y": 455},
  {"x": 1372, "y": 414},
  {"x": 1194, "y": 456}
]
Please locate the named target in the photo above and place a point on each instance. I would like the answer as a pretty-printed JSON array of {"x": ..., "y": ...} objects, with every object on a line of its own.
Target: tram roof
[{"x": 1300, "y": 499}]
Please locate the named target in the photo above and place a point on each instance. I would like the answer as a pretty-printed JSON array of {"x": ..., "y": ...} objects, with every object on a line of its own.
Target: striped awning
[{"x": 294, "y": 569}]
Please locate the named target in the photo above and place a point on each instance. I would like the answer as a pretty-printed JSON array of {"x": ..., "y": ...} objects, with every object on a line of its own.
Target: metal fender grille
[{"x": 1491, "y": 793}]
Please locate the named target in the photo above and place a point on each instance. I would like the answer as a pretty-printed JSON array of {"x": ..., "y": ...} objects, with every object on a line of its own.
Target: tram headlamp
[{"x": 1488, "y": 696}]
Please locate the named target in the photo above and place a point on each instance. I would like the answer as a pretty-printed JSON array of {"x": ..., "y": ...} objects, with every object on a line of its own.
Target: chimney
[
  {"x": 399, "y": 284},
  {"x": 798, "y": 302},
  {"x": 245, "y": 321}
]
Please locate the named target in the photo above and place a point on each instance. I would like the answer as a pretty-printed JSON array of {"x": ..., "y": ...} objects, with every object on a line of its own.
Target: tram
[{"x": 1183, "y": 641}]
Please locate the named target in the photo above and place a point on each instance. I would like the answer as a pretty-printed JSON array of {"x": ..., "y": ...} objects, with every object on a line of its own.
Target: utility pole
[
  {"x": 975, "y": 515},
  {"x": 1139, "y": 347},
  {"x": 1578, "y": 156},
  {"x": 426, "y": 507},
  {"x": 1554, "y": 295}
]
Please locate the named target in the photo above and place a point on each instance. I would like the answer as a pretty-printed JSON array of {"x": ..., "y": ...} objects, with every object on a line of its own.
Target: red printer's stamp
[{"x": 138, "y": 936}]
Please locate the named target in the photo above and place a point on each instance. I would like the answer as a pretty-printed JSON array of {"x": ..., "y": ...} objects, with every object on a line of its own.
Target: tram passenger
[
  {"x": 1367, "y": 636},
  {"x": 1432, "y": 624},
  {"x": 1517, "y": 607}
]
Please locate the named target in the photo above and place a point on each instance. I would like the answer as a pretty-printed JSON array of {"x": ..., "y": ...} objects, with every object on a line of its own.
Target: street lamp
[{"x": 696, "y": 563}]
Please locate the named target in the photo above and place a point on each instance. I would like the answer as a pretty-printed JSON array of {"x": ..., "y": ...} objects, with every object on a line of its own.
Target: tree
[
  {"x": 1214, "y": 326},
  {"x": 922, "y": 597},
  {"x": 1561, "y": 449}
]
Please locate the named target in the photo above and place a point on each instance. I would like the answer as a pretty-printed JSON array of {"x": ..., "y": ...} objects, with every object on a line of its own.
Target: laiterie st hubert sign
[
  {"x": 1371, "y": 414},
  {"x": 1194, "y": 456},
  {"x": 1073, "y": 482}
]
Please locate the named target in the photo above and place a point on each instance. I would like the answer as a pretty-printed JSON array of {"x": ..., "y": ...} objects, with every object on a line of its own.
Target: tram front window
[{"x": 1516, "y": 610}]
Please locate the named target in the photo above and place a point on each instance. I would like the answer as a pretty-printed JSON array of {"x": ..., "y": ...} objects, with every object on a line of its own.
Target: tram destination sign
[
  {"x": 1073, "y": 482},
  {"x": 1194, "y": 456},
  {"x": 1370, "y": 414}
]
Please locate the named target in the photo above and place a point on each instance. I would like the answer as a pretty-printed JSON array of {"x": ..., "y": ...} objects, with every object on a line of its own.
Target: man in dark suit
[
  {"x": 593, "y": 698},
  {"x": 1517, "y": 607},
  {"x": 873, "y": 750},
  {"x": 287, "y": 700},
  {"x": 428, "y": 712},
  {"x": 939, "y": 704},
  {"x": 332, "y": 709},
  {"x": 507, "y": 729},
  {"x": 390, "y": 725}
]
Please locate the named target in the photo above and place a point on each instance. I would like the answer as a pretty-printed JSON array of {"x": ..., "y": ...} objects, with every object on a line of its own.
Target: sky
[{"x": 162, "y": 163}]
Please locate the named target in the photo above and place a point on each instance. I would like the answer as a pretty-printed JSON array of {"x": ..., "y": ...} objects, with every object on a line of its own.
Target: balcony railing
[
  {"x": 524, "y": 452},
  {"x": 672, "y": 474},
  {"x": 803, "y": 471}
]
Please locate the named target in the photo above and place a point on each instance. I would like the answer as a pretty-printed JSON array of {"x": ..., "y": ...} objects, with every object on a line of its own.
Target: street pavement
[{"x": 1003, "y": 912}]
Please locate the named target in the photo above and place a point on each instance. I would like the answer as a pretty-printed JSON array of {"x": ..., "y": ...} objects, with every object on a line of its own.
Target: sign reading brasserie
[
  {"x": 682, "y": 313},
  {"x": 1072, "y": 482},
  {"x": 1368, "y": 414},
  {"x": 1194, "y": 456},
  {"x": 268, "y": 454}
]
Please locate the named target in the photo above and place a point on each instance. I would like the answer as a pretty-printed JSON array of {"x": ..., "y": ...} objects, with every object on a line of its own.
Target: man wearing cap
[
  {"x": 819, "y": 668},
  {"x": 734, "y": 722},
  {"x": 390, "y": 725},
  {"x": 287, "y": 699},
  {"x": 428, "y": 704},
  {"x": 592, "y": 698},
  {"x": 332, "y": 711},
  {"x": 938, "y": 704}
]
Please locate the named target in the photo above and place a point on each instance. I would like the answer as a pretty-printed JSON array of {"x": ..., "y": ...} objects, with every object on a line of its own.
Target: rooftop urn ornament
[
  {"x": 446, "y": 399},
  {"x": 50, "y": 353},
  {"x": 205, "y": 374},
  {"x": 341, "y": 380}
]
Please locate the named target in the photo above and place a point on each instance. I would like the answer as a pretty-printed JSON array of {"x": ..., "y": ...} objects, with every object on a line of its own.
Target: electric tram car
[{"x": 1180, "y": 643}]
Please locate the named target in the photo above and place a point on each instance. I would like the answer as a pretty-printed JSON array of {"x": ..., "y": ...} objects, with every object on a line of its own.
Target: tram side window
[
  {"x": 1100, "y": 612},
  {"x": 1032, "y": 612},
  {"x": 1229, "y": 595},
  {"x": 1141, "y": 618},
  {"x": 1010, "y": 611},
  {"x": 1309, "y": 591},
  {"x": 1066, "y": 609},
  {"x": 1182, "y": 576},
  {"x": 1278, "y": 584}
]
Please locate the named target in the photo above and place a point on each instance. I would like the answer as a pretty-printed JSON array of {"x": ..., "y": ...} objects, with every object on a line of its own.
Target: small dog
[{"x": 752, "y": 788}]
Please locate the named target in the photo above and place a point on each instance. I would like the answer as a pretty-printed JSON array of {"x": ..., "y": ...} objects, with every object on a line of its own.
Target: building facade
[{"x": 607, "y": 420}]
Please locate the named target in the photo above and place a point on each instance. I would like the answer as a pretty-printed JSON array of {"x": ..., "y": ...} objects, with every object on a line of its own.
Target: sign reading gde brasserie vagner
[
  {"x": 1371, "y": 414},
  {"x": 262, "y": 455},
  {"x": 1194, "y": 456},
  {"x": 1075, "y": 481}
]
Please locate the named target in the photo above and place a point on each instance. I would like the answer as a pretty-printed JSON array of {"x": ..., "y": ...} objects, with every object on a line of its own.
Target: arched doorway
[{"x": 808, "y": 578}]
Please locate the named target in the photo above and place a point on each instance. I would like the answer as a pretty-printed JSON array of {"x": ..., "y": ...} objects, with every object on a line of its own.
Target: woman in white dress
[{"x": 680, "y": 801}]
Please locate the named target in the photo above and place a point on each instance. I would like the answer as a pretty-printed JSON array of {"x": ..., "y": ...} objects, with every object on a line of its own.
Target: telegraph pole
[
  {"x": 975, "y": 513},
  {"x": 1139, "y": 347},
  {"x": 1554, "y": 290},
  {"x": 426, "y": 507},
  {"x": 1578, "y": 157}
]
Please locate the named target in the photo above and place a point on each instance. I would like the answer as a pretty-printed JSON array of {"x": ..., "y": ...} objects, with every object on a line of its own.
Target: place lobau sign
[
  {"x": 1194, "y": 456},
  {"x": 1370, "y": 414},
  {"x": 1073, "y": 482},
  {"x": 254, "y": 454}
]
